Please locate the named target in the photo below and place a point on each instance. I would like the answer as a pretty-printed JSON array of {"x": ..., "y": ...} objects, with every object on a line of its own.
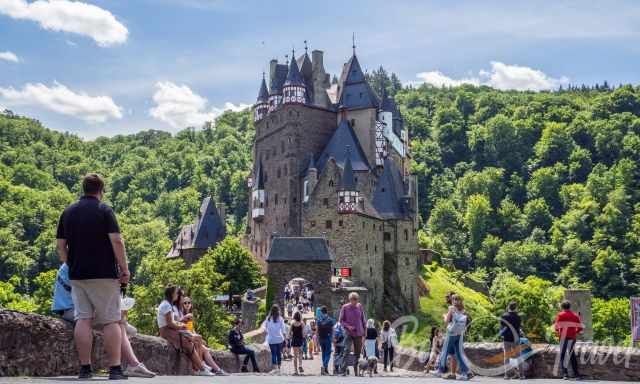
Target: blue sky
[{"x": 106, "y": 67}]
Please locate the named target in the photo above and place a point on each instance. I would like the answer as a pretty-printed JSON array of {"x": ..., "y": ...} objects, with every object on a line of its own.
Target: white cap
[{"x": 126, "y": 303}]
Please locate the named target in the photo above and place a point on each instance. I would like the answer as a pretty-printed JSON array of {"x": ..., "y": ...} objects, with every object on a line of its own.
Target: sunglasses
[{"x": 187, "y": 303}]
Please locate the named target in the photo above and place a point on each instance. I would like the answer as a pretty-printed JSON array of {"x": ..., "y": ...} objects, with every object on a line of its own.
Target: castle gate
[{"x": 307, "y": 258}]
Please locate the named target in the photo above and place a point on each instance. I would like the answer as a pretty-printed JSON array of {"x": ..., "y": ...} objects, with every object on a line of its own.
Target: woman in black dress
[{"x": 297, "y": 338}]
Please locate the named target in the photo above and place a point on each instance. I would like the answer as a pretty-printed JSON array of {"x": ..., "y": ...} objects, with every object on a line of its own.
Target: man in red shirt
[{"x": 568, "y": 325}]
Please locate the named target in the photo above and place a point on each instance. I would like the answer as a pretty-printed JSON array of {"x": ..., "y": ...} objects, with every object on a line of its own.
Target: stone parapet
[{"x": 35, "y": 345}]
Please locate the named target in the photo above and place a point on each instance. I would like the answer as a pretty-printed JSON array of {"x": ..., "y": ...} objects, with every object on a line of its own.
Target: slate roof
[
  {"x": 347, "y": 182},
  {"x": 278, "y": 79},
  {"x": 258, "y": 183},
  {"x": 299, "y": 249},
  {"x": 344, "y": 137},
  {"x": 389, "y": 105},
  {"x": 263, "y": 94},
  {"x": 293, "y": 75},
  {"x": 205, "y": 233},
  {"x": 355, "y": 91},
  {"x": 388, "y": 193}
]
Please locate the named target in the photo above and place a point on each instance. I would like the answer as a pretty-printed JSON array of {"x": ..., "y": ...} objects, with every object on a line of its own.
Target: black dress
[{"x": 296, "y": 333}]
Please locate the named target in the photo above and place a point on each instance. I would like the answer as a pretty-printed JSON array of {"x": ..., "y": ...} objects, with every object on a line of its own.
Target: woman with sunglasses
[{"x": 186, "y": 311}]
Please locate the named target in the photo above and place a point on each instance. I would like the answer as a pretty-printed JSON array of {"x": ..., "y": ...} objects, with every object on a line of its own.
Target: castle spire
[
  {"x": 294, "y": 88},
  {"x": 347, "y": 189},
  {"x": 261, "y": 107}
]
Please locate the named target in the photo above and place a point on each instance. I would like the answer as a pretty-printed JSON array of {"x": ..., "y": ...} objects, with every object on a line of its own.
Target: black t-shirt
[
  {"x": 372, "y": 334},
  {"x": 236, "y": 339},
  {"x": 86, "y": 225},
  {"x": 510, "y": 319}
]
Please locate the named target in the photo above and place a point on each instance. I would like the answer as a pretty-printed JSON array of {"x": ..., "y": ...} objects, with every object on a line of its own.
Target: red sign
[{"x": 342, "y": 272}]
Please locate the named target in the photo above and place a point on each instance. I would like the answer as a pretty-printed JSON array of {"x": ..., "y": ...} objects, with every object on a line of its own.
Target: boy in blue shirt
[{"x": 62, "y": 304}]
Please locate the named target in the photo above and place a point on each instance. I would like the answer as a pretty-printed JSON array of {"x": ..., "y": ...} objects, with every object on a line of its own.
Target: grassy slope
[{"x": 433, "y": 307}]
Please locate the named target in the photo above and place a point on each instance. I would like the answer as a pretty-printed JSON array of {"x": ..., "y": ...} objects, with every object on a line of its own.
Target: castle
[{"x": 332, "y": 161}]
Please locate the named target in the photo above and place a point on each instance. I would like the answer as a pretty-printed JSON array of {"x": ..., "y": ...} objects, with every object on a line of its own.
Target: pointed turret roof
[
  {"x": 263, "y": 94},
  {"x": 209, "y": 228},
  {"x": 293, "y": 76},
  {"x": 336, "y": 147},
  {"x": 347, "y": 183},
  {"x": 355, "y": 91},
  {"x": 259, "y": 179},
  {"x": 389, "y": 191},
  {"x": 387, "y": 103}
]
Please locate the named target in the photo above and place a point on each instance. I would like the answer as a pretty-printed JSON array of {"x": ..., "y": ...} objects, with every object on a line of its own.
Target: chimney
[
  {"x": 316, "y": 59},
  {"x": 272, "y": 71},
  {"x": 222, "y": 212}
]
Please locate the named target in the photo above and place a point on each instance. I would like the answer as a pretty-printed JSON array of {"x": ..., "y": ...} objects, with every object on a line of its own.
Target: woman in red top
[{"x": 568, "y": 325}]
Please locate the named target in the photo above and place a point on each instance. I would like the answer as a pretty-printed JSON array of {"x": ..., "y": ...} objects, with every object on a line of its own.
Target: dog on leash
[{"x": 368, "y": 365}]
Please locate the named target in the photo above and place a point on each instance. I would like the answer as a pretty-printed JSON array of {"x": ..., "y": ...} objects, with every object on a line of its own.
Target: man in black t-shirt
[
  {"x": 89, "y": 242},
  {"x": 510, "y": 324}
]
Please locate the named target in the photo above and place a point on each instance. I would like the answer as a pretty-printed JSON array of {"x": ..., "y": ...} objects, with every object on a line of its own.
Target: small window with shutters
[{"x": 328, "y": 224}]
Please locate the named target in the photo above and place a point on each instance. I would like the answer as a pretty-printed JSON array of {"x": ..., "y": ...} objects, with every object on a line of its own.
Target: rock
[{"x": 35, "y": 345}]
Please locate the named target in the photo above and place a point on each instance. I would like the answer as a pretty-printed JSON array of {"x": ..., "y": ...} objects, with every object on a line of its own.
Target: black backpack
[{"x": 325, "y": 328}]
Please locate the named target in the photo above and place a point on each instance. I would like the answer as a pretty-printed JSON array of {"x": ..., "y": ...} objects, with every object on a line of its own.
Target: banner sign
[
  {"x": 342, "y": 272},
  {"x": 635, "y": 319}
]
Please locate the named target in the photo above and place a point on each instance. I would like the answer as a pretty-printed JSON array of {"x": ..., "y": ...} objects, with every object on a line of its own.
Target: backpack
[
  {"x": 458, "y": 324},
  {"x": 325, "y": 328}
]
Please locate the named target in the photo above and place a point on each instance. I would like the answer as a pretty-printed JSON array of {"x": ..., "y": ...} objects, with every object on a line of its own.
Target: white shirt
[
  {"x": 276, "y": 330},
  {"x": 390, "y": 337},
  {"x": 164, "y": 308}
]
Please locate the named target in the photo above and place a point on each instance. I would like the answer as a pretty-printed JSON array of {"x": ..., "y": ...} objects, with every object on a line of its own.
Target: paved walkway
[{"x": 268, "y": 379}]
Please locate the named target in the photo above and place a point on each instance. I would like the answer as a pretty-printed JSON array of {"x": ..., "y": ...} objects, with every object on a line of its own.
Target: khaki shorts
[{"x": 97, "y": 299}]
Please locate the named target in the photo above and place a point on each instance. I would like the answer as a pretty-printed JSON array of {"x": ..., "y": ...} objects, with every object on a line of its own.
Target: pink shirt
[{"x": 352, "y": 319}]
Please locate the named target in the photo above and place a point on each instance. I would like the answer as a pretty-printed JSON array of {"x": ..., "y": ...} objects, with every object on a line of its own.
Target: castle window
[
  {"x": 356, "y": 179},
  {"x": 282, "y": 146},
  {"x": 275, "y": 200},
  {"x": 331, "y": 183},
  {"x": 285, "y": 225},
  {"x": 363, "y": 225},
  {"x": 284, "y": 201},
  {"x": 406, "y": 234},
  {"x": 353, "y": 123},
  {"x": 325, "y": 202},
  {"x": 374, "y": 227},
  {"x": 387, "y": 236},
  {"x": 328, "y": 224},
  {"x": 289, "y": 139},
  {"x": 279, "y": 173},
  {"x": 361, "y": 95},
  {"x": 295, "y": 200},
  {"x": 375, "y": 249},
  {"x": 366, "y": 247},
  {"x": 340, "y": 223},
  {"x": 313, "y": 223}
]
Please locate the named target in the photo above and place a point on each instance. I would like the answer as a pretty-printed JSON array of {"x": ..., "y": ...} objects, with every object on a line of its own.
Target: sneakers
[
  {"x": 85, "y": 372},
  {"x": 221, "y": 372},
  {"x": 139, "y": 371},
  {"x": 463, "y": 377},
  {"x": 203, "y": 372},
  {"x": 115, "y": 373},
  {"x": 301, "y": 370}
]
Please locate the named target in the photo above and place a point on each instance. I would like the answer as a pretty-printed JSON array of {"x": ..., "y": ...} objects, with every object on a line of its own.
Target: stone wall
[
  {"x": 595, "y": 362},
  {"x": 35, "y": 345}
]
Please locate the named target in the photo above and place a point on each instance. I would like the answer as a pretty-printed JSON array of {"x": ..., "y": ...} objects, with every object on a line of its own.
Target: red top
[{"x": 568, "y": 325}]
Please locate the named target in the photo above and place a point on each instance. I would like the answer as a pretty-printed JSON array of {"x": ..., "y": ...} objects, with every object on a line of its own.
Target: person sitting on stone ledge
[
  {"x": 62, "y": 299},
  {"x": 185, "y": 311},
  {"x": 174, "y": 331},
  {"x": 236, "y": 345}
]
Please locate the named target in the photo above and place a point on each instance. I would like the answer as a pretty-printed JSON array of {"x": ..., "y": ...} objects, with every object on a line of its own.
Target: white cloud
[
  {"x": 180, "y": 107},
  {"x": 60, "y": 99},
  {"x": 9, "y": 56},
  {"x": 439, "y": 79},
  {"x": 501, "y": 76},
  {"x": 69, "y": 16}
]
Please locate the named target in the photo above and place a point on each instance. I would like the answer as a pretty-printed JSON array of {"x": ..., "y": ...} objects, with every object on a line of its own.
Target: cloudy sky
[{"x": 107, "y": 67}]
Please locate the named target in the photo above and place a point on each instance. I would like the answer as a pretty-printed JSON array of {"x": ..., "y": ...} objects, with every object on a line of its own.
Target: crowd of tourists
[
  {"x": 90, "y": 291},
  {"x": 351, "y": 341},
  {"x": 446, "y": 357}
]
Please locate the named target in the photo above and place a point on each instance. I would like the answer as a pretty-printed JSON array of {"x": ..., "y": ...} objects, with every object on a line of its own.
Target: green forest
[{"x": 515, "y": 188}]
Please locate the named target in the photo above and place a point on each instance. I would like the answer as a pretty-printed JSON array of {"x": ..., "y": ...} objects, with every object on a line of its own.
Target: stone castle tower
[{"x": 332, "y": 161}]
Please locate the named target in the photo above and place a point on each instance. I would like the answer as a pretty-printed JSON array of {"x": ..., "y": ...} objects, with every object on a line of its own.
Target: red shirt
[{"x": 568, "y": 325}]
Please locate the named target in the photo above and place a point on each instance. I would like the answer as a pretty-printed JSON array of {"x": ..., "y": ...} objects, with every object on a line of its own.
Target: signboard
[
  {"x": 635, "y": 320},
  {"x": 342, "y": 272}
]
